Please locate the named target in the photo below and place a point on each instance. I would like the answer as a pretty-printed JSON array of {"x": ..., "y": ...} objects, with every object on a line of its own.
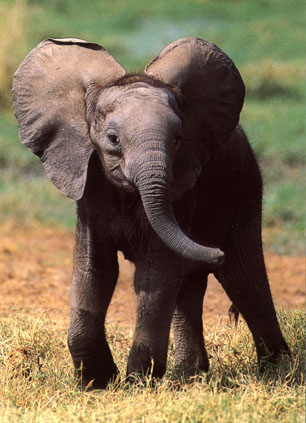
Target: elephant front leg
[
  {"x": 94, "y": 279},
  {"x": 157, "y": 281},
  {"x": 187, "y": 323}
]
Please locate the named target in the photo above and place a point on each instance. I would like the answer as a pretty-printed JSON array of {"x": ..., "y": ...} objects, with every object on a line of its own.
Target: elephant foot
[
  {"x": 190, "y": 360},
  {"x": 143, "y": 366},
  {"x": 91, "y": 376},
  {"x": 268, "y": 354},
  {"x": 185, "y": 371}
]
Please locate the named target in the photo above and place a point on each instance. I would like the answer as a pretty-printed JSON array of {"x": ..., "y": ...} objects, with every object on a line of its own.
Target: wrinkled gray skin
[{"x": 139, "y": 154}]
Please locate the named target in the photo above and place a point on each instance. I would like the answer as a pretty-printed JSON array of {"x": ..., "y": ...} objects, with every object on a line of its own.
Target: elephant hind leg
[
  {"x": 244, "y": 278},
  {"x": 187, "y": 324}
]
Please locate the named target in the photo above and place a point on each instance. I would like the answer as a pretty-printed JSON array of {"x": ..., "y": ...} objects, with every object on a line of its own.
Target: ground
[{"x": 35, "y": 274}]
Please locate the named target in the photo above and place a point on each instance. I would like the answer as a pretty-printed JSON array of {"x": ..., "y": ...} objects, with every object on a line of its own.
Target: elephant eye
[
  {"x": 114, "y": 139},
  {"x": 176, "y": 141}
]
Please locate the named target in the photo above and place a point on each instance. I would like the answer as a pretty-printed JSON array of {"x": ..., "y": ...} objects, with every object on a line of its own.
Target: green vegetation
[
  {"x": 265, "y": 38},
  {"x": 36, "y": 382}
]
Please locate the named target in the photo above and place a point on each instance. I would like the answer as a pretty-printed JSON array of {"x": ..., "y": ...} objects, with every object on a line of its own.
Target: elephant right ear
[
  {"x": 212, "y": 88},
  {"x": 49, "y": 91}
]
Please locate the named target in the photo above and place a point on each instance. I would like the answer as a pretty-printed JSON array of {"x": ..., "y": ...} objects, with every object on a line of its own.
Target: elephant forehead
[{"x": 138, "y": 92}]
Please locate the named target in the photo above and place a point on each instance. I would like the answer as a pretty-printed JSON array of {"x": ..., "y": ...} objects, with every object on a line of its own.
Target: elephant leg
[
  {"x": 244, "y": 278},
  {"x": 94, "y": 279},
  {"x": 157, "y": 279},
  {"x": 187, "y": 324}
]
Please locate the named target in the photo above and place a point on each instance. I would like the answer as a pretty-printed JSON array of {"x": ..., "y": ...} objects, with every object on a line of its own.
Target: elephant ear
[
  {"x": 49, "y": 91},
  {"x": 212, "y": 88}
]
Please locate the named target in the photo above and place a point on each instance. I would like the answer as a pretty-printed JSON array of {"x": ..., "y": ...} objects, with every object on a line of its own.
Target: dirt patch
[{"x": 35, "y": 275}]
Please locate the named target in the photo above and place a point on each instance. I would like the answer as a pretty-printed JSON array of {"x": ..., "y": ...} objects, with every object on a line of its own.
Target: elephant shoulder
[
  {"x": 236, "y": 156},
  {"x": 232, "y": 171}
]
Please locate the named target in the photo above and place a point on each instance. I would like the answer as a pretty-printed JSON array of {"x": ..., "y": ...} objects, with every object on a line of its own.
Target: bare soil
[{"x": 36, "y": 266}]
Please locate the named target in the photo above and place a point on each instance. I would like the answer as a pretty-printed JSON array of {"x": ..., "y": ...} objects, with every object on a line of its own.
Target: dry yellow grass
[
  {"x": 13, "y": 18},
  {"x": 36, "y": 383}
]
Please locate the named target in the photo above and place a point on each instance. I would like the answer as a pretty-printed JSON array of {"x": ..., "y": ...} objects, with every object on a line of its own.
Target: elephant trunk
[{"x": 152, "y": 181}]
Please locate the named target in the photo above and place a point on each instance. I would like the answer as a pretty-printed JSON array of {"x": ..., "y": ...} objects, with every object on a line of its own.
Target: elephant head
[{"x": 71, "y": 98}]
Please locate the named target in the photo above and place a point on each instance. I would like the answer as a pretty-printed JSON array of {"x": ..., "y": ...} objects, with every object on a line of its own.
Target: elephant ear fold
[
  {"x": 49, "y": 91},
  {"x": 212, "y": 88}
]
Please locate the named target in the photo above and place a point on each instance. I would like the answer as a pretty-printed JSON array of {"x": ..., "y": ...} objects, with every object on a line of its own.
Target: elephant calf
[{"x": 161, "y": 171}]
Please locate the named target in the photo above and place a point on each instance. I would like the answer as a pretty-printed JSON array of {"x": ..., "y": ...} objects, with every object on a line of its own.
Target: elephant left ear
[
  {"x": 212, "y": 88},
  {"x": 52, "y": 94}
]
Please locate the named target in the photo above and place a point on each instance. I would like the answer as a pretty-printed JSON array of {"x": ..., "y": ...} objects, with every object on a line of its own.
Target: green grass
[
  {"x": 36, "y": 382},
  {"x": 276, "y": 128},
  {"x": 27, "y": 199},
  {"x": 265, "y": 38},
  {"x": 13, "y": 155},
  {"x": 135, "y": 30},
  {"x": 26, "y": 194}
]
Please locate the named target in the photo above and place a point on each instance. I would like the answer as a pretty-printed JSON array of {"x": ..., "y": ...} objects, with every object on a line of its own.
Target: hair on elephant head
[{"x": 148, "y": 142}]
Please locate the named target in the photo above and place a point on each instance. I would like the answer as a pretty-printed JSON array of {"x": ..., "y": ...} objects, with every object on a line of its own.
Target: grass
[
  {"x": 276, "y": 129},
  {"x": 13, "y": 23},
  {"x": 264, "y": 38},
  {"x": 26, "y": 193},
  {"x": 36, "y": 382}
]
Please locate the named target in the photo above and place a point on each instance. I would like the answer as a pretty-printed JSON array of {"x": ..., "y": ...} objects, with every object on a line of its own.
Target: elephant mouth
[
  {"x": 121, "y": 181},
  {"x": 127, "y": 186}
]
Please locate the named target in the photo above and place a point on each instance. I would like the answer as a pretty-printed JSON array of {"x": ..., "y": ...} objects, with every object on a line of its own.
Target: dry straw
[{"x": 13, "y": 18}]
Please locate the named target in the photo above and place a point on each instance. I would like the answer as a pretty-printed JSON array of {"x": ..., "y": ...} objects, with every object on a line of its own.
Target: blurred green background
[{"x": 265, "y": 39}]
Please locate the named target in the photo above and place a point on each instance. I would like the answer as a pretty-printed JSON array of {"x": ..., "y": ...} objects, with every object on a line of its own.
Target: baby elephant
[{"x": 161, "y": 171}]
